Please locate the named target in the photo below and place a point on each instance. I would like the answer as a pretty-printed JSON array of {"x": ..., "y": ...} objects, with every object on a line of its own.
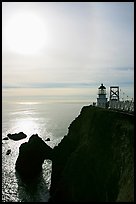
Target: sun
[{"x": 25, "y": 33}]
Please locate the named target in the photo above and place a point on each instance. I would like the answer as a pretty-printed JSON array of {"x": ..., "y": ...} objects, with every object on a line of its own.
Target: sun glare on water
[
  {"x": 28, "y": 126},
  {"x": 25, "y": 33}
]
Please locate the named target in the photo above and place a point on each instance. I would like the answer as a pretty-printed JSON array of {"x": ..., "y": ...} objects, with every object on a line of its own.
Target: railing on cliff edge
[{"x": 122, "y": 105}]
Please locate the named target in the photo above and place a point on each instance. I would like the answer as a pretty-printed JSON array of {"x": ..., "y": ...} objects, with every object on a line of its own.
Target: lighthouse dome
[{"x": 102, "y": 87}]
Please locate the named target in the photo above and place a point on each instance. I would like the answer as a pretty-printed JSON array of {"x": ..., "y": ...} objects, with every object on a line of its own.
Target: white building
[{"x": 102, "y": 100}]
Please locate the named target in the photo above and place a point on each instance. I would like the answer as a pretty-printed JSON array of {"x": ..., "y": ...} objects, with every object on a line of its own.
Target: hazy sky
[{"x": 73, "y": 43}]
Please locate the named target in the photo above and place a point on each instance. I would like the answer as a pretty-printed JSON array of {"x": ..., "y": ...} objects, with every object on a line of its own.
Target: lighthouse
[{"x": 102, "y": 100}]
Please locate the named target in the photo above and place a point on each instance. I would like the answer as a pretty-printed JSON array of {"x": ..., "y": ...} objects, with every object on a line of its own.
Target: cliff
[{"x": 94, "y": 162}]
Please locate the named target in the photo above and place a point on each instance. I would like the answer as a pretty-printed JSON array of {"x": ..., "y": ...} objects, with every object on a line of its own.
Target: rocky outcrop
[
  {"x": 48, "y": 139},
  {"x": 8, "y": 152},
  {"x": 17, "y": 136},
  {"x": 31, "y": 157},
  {"x": 5, "y": 138},
  {"x": 94, "y": 162}
]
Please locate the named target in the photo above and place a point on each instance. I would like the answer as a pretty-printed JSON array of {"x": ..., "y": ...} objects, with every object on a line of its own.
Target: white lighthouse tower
[{"x": 102, "y": 100}]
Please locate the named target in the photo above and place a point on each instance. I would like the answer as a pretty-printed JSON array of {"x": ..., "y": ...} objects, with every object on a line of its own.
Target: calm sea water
[{"x": 47, "y": 112}]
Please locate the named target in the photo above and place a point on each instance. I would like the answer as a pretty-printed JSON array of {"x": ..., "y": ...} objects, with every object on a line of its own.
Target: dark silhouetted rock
[
  {"x": 95, "y": 161},
  {"x": 48, "y": 139},
  {"x": 17, "y": 136},
  {"x": 5, "y": 138},
  {"x": 8, "y": 152},
  {"x": 31, "y": 157}
]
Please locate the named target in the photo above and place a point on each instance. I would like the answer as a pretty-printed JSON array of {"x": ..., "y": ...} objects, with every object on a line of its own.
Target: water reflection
[
  {"x": 35, "y": 190},
  {"x": 27, "y": 125},
  {"x": 30, "y": 118}
]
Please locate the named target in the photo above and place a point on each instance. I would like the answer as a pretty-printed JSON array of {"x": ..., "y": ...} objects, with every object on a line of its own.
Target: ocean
[{"x": 47, "y": 112}]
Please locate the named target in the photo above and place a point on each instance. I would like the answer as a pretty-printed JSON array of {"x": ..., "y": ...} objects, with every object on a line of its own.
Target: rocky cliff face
[
  {"x": 94, "y": 162},
  {"x": 31, "y": 157}
]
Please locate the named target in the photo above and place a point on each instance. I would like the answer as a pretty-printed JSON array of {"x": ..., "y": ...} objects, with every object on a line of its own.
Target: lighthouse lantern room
[{"x": 102, "y": 100}]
